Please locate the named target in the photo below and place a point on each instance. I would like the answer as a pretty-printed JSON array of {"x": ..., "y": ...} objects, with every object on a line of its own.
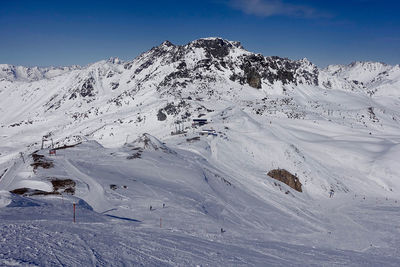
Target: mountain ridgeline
[
  {"x": 172, "y": 82},
  {"x": 202, "y": 64}
]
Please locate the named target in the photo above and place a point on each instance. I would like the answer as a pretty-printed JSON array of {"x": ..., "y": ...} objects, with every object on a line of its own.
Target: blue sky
[{"x": 80, "y": 32}]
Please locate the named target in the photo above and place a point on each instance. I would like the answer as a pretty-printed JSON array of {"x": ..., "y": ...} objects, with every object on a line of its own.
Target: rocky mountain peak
[
  {"x": 206, "y": 62},
  {"x": 114, "y": 60},
  {"x": 215, "y": 42},
  {"x": 167, "y": 44},
  {"x": 215, "y": 47}
]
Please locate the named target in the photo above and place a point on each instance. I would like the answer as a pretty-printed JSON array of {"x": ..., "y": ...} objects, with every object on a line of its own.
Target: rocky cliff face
[
  {"x": 210, "y": 60},
  {"x": 286, "y": 177}
]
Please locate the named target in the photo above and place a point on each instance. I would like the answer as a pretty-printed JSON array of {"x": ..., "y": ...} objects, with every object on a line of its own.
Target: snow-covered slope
[
  {"x": 154, "y": 205},
  {"x": 333, "y": 129}
]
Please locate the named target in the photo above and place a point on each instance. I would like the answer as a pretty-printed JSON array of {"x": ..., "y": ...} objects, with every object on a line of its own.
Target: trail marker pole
[
  {"x": 160, "y": 223},
  {"x": 22, "y": 156},
  {"x": 126, "y": 141},
  {"x": 74, "y": 211}
]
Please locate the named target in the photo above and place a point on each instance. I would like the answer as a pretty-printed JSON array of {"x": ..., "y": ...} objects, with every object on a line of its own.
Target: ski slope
[{"x": 262, "y": 223}]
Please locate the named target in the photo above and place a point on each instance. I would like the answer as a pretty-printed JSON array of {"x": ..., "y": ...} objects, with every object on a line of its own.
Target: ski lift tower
[
  {"x": 179, "y": 128},
  {"x": 45, "y": 139}
]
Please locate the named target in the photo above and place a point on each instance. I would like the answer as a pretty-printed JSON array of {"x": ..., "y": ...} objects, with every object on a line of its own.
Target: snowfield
[{"x": 149, "y": 190}]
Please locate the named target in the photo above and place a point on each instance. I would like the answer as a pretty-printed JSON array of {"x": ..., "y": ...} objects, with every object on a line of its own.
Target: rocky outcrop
[
  {"x": 254, "y": 79},
  {"x": 286, "y": 177},
  {"x": 161, "y": 115},
  {"x": 215, "y": 47},
  {"x": 87, "y": 88},
  {"x": 147, "y": 142},
  {"x": 173, "y": 109}
]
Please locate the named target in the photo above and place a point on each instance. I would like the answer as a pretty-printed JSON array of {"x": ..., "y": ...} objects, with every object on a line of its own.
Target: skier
[
  {"x": 151, "y": 208},
  {"x": 163, "y": 205},
  {"x": 331, "y": 193},
  {"x": 222, "y": 230}
]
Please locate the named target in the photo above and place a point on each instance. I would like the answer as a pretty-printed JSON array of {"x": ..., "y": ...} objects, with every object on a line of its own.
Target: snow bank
[{"x": 5, "y": 198}]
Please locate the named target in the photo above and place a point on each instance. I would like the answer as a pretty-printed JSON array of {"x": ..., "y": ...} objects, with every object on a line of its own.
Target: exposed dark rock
[
  {"x": 217, "y": 47},
  {"x": 114, "y": 85},
  {"x": 194, "y": 139},
  {"x": 173, "y": 109},
  {"x": 136, "y": 155},
  {"x": 286, "y": 177},
  {"x": 161, "y": 115},
  {"x": 59, "y": 186},
  {"x": 181, "y": 65},
  {"x": 32, "y": 192},
  {"x": 87, "y": 88},
  {"x": 285, "y": 76},
  {"x": 372, "y": 114},
  {"x": 327, "y": 84},
  {"x": 128, "y": 65},
  {"x": 145, "y": 65},
  {"x": 73, "y": 96},
  {"x": 65, "y": 185},
  {"x": 254, "y": 79},
  {"x": 171, "y": 79},
  {"x": 41, "y": 161},
  {"x": 20, "y": 191}
]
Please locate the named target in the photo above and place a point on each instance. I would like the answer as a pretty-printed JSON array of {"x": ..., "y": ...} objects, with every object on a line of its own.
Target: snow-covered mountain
[
  {"x": 374, "y": 77},
  {"x": 272, "y": 122},
  {"x": 28, "y": 74}
]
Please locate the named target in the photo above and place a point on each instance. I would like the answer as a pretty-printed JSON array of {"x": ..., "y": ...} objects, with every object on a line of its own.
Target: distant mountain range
[{"x": 211, "y": 60}]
